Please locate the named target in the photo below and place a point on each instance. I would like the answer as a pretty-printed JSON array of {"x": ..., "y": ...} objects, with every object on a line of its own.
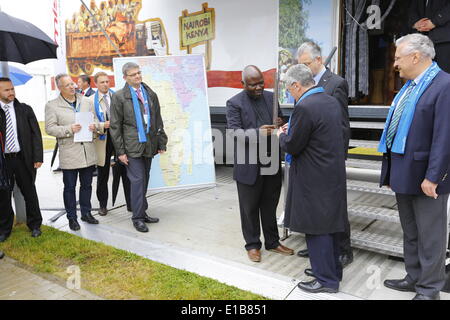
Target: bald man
[{"x": 250, "y": 120}]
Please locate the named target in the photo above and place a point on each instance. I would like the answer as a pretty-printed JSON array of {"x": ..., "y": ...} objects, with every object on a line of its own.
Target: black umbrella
[{"x": 23, "y": 42}]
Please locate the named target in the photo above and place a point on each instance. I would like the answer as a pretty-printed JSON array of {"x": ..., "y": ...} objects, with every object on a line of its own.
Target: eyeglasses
[
  {"x": 134, "y": 74},
  {"x": 308, "y": 63}
]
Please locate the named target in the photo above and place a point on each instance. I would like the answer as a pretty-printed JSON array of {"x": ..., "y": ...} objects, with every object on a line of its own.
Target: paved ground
[
  {"x": 18, "y": 283},
  {"x": 199, "y": 231}
]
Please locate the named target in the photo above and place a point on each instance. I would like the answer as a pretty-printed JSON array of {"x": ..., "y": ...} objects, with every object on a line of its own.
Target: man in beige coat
[
  {"x": 103, "y": 144},
  {"x": 75, "y": 158}
]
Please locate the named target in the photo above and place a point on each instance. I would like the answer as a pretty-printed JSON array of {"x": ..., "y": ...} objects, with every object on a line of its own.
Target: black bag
[{"x": 4, "y": 181}]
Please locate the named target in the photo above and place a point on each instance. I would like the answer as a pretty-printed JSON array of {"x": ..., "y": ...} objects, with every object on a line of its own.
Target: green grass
[{"x": 112, "y": 273}]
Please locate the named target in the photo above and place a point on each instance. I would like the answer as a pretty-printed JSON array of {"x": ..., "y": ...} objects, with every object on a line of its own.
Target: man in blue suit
[
  {"x": 416, "y": 147},
  {"x": 250, "y": 118}
]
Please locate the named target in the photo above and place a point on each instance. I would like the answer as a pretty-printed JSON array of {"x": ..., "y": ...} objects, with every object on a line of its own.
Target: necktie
[
  {"x": 392, "y": 130},
  {"x": 105, "y": 99},
  {"x": 140, "y": 97},
  {"x": 10, "y": 136},
  {"x": 82, "y": 92}
]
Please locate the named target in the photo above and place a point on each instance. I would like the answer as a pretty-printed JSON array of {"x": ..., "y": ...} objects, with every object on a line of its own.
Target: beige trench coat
[
  {"x": 100, "y": 145},
  {"x": 59, "y": 118}
]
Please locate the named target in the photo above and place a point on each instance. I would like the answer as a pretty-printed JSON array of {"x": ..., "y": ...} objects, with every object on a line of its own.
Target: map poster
[{"x": 180, "y": 83}]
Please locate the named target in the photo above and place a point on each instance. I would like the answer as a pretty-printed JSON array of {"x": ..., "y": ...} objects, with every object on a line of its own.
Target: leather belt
[{"x": 12, "y": 155}]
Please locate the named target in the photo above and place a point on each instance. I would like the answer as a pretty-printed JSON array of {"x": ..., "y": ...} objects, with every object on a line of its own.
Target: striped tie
[
  {"x": 10, "y": 136},
  {"x": 392, "y": 130}
]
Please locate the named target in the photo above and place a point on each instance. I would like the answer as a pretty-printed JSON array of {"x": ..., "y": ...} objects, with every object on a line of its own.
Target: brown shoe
[
  {"x": 103, "y": 211},
  {"x": 254, "y": 255},
  {"x": 283, "y": 250}
]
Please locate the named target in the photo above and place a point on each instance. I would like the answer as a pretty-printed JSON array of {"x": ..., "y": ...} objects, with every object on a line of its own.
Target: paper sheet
[{"x": 85, "y": 119}]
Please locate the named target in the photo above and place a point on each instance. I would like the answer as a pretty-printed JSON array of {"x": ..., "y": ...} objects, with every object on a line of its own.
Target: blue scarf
[
  {"x": 399, "y": 143},
  {"x": 100, "y": 115},
  {"x": 288, "y": 158},
  {"x": 137, "y": 113}
]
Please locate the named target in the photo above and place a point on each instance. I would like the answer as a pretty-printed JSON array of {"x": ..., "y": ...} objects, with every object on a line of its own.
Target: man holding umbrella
[
  {"x": 23, "y": 155},
  {"x": 104, "y": 146}
]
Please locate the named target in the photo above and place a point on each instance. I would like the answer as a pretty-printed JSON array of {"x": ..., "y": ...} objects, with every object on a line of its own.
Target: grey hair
[
  {"x": 128, "y": 66},
  {"x": 249, "y": 69},
  {"x": 417, "y": 42},
  {"x": 310, "y": 47},
  {"x": 301, "y": 74},
  {"x": 59, "y": 77}
]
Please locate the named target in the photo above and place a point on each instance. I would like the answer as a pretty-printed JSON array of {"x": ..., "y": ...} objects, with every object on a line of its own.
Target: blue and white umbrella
[{"x": 17, "y": 76}]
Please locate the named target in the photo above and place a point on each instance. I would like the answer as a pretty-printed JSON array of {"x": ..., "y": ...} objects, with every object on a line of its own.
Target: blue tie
[{"x": 393, "y": 126}]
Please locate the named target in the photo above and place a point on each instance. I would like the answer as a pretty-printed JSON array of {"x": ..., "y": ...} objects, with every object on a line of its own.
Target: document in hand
[{"x": 85, "y": 119}]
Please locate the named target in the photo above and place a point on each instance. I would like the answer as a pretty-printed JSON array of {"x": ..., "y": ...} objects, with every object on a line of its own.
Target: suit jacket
[
  {"x": 438, "y": 12},
  {"x": 89, "y": 93},
  {"x": 316, "y": 199},
  {"x": 59, "y": 118},
  {"x": 123, "y": 128},
  {"x": 337, "y": 87},
  {"x": 427, "y": 151},
  {"x": 240, "y": 115},
  {"x": 100, "y": 145},
  {"x": 29, "y": 134}
]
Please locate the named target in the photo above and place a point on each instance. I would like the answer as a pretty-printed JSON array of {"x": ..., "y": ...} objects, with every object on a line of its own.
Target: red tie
[{"x": 82, "y": 92}]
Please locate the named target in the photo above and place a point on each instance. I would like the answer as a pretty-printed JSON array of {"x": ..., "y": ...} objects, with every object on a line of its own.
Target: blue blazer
[
  {"x": 240, "y": 115},
  {"x": 427, "y": 151}
]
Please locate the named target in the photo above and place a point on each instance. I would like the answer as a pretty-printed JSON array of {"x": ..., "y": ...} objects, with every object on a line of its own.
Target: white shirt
[
  {"x": 12, "y": 113},
  {"x": 320, "y": 75}
]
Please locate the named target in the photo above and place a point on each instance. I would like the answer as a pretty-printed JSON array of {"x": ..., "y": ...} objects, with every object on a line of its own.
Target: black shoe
[
  {"x": 400, "y": 285},
  {"x": 303, "y": 253},
  {"x": 346, "y": 259},
  {"x": 89, "y": 219},
  {"x": 148, "y": 219},
  {"x": 424, "y": 297},
  {"x": 103, "y": 212},
  {"x": 36, "y": 233},
  {"x": 73, "y": 225},
  {"x": 140, "y": 226},
  {"x": 315, "y": 287},
  {"x": 129, "y": 209},
  {"x": 1, "y": 254},
  {"x": 309, "y": 273},
  {"x": 3, "y": 237}
]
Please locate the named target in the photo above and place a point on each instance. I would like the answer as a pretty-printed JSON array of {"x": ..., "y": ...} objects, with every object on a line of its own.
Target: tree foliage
[{"x": 293, "y": 23}]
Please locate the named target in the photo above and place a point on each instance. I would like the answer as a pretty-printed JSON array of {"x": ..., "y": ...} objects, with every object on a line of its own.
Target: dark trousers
[
  {"x": 424, "y": 224},
  {"x": 20, "y": 174},
  {"x": 258, "y": 205},
  {"x": 138, "y": 172},
  {"x": 103, "y": 177},
  {"x": 443, "y": 55},
  {"x": 344, "y": 240},
  {"x": 70, "y": 182},
  {"x": 324, "y": 258}
]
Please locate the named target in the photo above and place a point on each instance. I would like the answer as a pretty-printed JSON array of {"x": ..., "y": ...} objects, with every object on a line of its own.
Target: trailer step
[
  {"x": 364, "y": 144},
  {"x": 366, "y": 125},
  {"x": 375, "y": 213},
  {"x": 363, "y": 164},
  {"x": 368, "y": 187}
]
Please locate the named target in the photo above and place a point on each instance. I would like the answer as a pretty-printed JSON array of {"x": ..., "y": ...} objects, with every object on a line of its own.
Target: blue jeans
[{"x": 70, "y": 183}]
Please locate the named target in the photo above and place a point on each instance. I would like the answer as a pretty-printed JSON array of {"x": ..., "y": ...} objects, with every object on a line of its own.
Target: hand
[
  {"x": 124, "y": 159},
  {"x": 37, "y": 165},
  {"x": 92, "y": 127},
  {"x": 76, "y": 128},
  {"x": 279, "y": 122},
  {"x": 429, "y": 188},
  {"x": 107, "y": 124},
  {"x": 266, "y": 130},
  {"x": 279, "y": 132},
  {"x": 426, "y": 26},
  {"x": 285, "y": 128},
  {"x": 419, "y": 24},
  {"x": 161, "y": 151}
]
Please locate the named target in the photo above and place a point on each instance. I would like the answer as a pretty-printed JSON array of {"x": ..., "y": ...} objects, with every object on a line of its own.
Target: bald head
[{"x": 253, "y": 81}]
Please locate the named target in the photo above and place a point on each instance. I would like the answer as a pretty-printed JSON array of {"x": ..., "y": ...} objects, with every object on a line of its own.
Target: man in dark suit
[
  {"x": 416, "y": 161},
  {"x": 310, "y": 55},
  {"x": 432, "y": 18},
  {"x": 23, "y": 155},
  {"x": 84, "y": 85},
  {"x": 316, "y": 200},
  {"x": 250, "y": 119}
]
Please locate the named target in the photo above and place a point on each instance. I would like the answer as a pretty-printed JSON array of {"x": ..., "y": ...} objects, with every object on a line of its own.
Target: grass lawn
[{"x": 112, "y": 273}]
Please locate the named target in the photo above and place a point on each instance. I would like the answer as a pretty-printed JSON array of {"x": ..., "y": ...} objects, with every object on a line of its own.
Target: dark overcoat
[{"x": 316, "y": 201}]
